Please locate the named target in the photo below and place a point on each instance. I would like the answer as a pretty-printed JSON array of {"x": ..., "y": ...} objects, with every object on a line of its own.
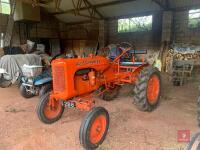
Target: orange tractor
[{"x": 77, "y": 80}]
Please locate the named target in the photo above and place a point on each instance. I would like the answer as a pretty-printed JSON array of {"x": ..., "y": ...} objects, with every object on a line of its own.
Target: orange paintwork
[
  {"x": 73, "y": 83},
  {"x": 153, "y": 89},
  {"x": 92, "y": 78},
  {"x": 97, "y": 129},
  {"x": 52, "y": 108},
  {"x": 76, "y": 77}
]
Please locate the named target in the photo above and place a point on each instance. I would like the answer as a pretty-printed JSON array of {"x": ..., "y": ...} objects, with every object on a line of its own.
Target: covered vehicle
[
  {"x": 34, "y": 81},
  {"x": 11, "y": 67}
]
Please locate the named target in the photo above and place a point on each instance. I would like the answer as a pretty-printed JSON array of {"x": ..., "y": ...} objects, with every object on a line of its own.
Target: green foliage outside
[
  {"x": 135, "y": 24},
  {"x": 5, "y": 8},
  {"x": 194, "y": 18},
  {"x": 194, "y": 23}
]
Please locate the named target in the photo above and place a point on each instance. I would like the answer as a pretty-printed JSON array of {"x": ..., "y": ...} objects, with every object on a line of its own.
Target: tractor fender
[{"x": 43, "y": 81}]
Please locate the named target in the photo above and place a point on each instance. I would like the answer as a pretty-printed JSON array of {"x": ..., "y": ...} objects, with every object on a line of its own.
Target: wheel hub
[
  {"x": 52, "y": 111},
  {"x": 97, "y": 129},
  {"x": 153, "y": 89}
]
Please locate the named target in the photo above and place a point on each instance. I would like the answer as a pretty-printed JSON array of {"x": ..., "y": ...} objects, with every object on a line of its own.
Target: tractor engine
[{"x": 77, "y": 76}]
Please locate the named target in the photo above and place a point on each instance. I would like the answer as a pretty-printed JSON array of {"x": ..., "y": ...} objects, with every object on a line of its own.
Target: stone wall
[
  {"x": 106, "y": 32},
  {"x": 182, "y": 33},
  {"x": 85, "y": 31},
  {"x": 47, "y": 28},
  {"x": 141, "y": 40},
  {"x": 3, "y": 22}
]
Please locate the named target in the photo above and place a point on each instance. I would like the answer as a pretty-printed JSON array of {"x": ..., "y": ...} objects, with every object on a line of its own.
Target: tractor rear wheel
[
  {"x": 198, "y": 111},
  {"x": 47, "y": 113},
  {"x": 110, "y": 94},
  {"x": 147, "y": 89},
  {"x": 94, "y": 128}
]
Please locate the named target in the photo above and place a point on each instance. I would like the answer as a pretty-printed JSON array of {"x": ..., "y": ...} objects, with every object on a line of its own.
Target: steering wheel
[{"x": 125, "y": 45}]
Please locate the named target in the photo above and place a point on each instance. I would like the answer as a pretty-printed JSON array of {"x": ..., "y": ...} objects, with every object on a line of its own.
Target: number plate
[{"x": 69, "y": 104}]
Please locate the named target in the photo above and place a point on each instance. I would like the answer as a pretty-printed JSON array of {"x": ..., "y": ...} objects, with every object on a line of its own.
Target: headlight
[{"x": 30, "y": 81}]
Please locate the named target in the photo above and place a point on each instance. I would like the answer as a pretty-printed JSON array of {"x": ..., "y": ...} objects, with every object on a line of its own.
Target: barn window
[
  {"x": 194, "y": 18},
  {"x": 5, "y": 6},
  {"x": 135, "y": 24}
]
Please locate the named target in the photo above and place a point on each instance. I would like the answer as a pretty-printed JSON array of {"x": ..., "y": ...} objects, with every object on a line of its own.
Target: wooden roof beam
[{"x": 94, "y": 8}]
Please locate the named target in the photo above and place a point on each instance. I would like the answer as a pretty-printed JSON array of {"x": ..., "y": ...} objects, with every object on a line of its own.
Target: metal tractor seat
[
  {"x": 137, "y": 51},
  {"x": 131, "y": 63},
  {"x": 134, "y": 63}
]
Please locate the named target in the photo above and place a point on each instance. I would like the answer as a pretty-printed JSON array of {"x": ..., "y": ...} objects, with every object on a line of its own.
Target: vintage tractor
[{"x": 77, "y": 80}]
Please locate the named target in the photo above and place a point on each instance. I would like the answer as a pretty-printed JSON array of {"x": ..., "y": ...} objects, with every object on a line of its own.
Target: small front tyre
[
  {"x": 94, "y": 128},
  {"x": 47, "y": 113},
  {"x": 24, "y": 92}
]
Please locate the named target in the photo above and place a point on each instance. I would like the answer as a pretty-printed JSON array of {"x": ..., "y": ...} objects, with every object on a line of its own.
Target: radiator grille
[{"x": 58, "y": 79}]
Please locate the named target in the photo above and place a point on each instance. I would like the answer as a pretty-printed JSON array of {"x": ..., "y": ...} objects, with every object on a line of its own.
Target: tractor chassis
[{"x": 95, "y": 125}]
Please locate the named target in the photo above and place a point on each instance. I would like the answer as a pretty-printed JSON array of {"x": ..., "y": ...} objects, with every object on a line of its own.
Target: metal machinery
[{"x": 75, "y": 81}]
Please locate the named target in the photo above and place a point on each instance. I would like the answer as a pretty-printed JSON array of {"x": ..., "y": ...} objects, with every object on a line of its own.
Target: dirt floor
[{"x": 130, "y": 129}]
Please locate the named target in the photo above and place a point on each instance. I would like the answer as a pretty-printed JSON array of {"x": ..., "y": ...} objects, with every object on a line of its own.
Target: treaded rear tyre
[
  {"x": 94, "y": 128},
  {"x": 142, "y": 100}
]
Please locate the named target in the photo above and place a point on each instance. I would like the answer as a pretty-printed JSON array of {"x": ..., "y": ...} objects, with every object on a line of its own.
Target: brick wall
[
  {"x": 182, "y": 33},
  {"x": 85, "y": 31},
  {"x": 47, "y": 28},
  {"x": 3, "y": 22},
  {"x": 106, "y": 31},
  {"x": 80, "y": 37}
]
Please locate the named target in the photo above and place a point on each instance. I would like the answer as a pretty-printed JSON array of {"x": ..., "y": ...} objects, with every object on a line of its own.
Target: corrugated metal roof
[
  {"x": 129, "y": 8},
  {"x": 134, "y": 7}
]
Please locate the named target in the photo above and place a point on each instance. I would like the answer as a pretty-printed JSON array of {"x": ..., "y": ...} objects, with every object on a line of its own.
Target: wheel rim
[
  {"x": 153, "y": 89},
  {"x": 50, "y": 111},
  {"x": 98, "y": 129}
]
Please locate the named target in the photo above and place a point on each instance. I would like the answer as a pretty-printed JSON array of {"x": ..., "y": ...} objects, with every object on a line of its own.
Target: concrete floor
[{"x": 130, "y": 129}]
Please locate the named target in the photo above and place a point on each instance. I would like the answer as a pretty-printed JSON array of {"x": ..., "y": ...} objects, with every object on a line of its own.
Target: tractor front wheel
[
  {"x": 94, "y": 128},
  {"x": 48, "y": 113},
  {"x": 147, "y": 89}
]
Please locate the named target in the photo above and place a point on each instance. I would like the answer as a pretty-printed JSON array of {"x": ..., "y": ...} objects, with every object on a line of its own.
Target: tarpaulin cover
[{"x": 13, "y": 63}]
